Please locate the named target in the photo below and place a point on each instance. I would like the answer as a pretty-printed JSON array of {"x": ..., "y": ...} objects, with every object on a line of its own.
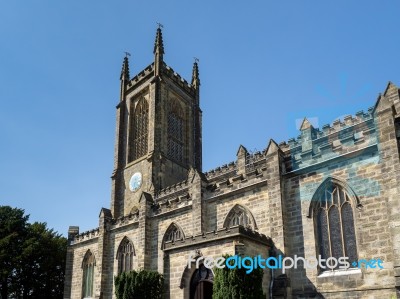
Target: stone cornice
[{"x": 221, "y": 234}]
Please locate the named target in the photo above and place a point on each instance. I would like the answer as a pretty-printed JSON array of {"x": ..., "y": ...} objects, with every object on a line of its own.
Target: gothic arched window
[
  {"x": 88, "y": 274},
  {"x": 176, "y": 132},
  {"x": 139, "y": 129},
  {"x": 172, "y": 234},
  {"x": 125, "y": 255},
  {"x": 239, "y": 215},
  {"x": 334, "y": 224}
]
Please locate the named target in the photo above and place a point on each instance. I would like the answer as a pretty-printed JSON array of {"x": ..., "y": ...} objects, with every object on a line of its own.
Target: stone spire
[
  {"x": 195, "y": 74},
  {"x": 158, "y": 50}
]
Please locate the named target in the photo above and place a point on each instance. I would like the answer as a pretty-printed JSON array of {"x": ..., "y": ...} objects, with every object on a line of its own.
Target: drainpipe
[
  {"x": 271, "y": 253},
  {"x": 271, "y": 284}
]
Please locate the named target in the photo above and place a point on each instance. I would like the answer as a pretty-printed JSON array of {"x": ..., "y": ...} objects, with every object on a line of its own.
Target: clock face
[{"x": 135, "y": 181}]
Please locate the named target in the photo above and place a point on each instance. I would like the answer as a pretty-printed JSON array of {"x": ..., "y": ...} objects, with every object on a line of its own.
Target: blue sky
[{"x": 263, "y": 66}]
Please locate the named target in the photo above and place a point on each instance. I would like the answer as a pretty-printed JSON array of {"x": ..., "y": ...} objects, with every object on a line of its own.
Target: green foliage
[
  {"x": 143, "y": 284},
  {"x": 32, "y": 257},
  {"x": 236, "y": 284}
]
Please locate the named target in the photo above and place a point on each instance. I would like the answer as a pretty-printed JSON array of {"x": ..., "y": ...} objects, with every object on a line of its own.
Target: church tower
[{"x": 158, "y": 131}]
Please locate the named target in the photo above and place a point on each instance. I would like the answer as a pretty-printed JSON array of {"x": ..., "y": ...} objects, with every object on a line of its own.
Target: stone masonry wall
[
  {"x": 359, "y": 167},
  {"x": 79, "y": 254}
]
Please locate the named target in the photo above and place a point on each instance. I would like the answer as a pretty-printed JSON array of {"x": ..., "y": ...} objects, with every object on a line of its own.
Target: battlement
[
  {"x": 173, "y": 197},
  {"x": 255, "y": 160},
  {"x": 172, "y": 190},
  {"x": 341, "y": 137},
  {"x": 178, "y": 79},
  {"x": 328, "y": 129},
  {"x": 125, "y": 220},
  {"x": 222, "y": 186},
  {"x": 145, "y": 73},
  {"x": 86, "y": 236},
  {"x": 312, "y": 146},
  {"x": 221, "y": 170},
  {"x": 171, "y": 203}
]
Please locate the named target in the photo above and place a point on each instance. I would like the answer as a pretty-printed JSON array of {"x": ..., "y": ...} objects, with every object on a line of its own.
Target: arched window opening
[
  {"x": 125, "y": 255},
  {"x": 176, "y": 133},
  {"x": 139, "y": 129},
  {"x": 334, "y": 225},
  {"x": 172, "y": 234},
  {"x": 239, "y": 215},
  {"x": 88, "y": 274}
]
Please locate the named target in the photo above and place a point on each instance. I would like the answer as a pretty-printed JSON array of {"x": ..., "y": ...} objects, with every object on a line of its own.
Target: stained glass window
[
  {"x": 88, "y": 274},
  {"x": 334, "y": 225},
  {"x": 323, "y": 234},
  {"x": 125, "y": 255},
  {"x": 349, "y": 233}
]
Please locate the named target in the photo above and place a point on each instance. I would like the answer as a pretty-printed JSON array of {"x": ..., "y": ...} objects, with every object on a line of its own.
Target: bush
[
  {"x": 143, "y": 284},
  {"x": 236, "y": 284}
]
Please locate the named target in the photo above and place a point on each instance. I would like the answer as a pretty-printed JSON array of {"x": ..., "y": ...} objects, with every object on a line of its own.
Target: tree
[
  {"x": 237, "y": 284},
  {"x": 12, "y": 234},
  {"x": 143, "y": 284},
  {"x": 36, "y": 265}
]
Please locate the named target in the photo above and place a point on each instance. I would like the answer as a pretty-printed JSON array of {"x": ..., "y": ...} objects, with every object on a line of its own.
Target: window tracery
[
  {"x": 139, "y": 129},
  {"x": 125, "y": 255},
  {"x": 334, "y": 224}
]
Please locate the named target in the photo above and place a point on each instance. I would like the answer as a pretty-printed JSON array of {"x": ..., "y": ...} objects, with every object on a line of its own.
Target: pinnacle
[
  {"x": 159, "y": 44},
  {"x": 305, "y": 124},
  {"x": 125, "y": 69},
  {"x": 195, "y": 74}
]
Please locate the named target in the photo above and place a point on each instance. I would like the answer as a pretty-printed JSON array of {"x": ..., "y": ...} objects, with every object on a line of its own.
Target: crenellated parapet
[
  {"x": 172, "y": 203},
  {"x": 172, "y": 190},
  {"x": 225, "y": 170},
  {"x": 167, "y": 70},
  {"x": 312, "y": 146},
  {"x": 173, "y": 197},
  {"x": 329, "y": 130},
  {"x": 86, "y": 236},
  {"x": 223, "y": 186},
  {"x": 141, "y": 77},
  {"x": 347, "y": 136},
  {"x": 339, "y": 138},
  {"x": 131, "y": 218},
  {"x": 255, "y": 161}
]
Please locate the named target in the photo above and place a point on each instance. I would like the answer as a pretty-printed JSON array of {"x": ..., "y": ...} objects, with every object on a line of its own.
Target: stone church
[{"x": 331, "y": 192}]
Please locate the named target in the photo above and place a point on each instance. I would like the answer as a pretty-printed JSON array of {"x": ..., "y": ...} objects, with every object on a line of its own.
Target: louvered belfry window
[
  {"x": 176, "y": 133},
  {"x": 139, "y": 130},
  {"x": 334, "y": 225}
]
